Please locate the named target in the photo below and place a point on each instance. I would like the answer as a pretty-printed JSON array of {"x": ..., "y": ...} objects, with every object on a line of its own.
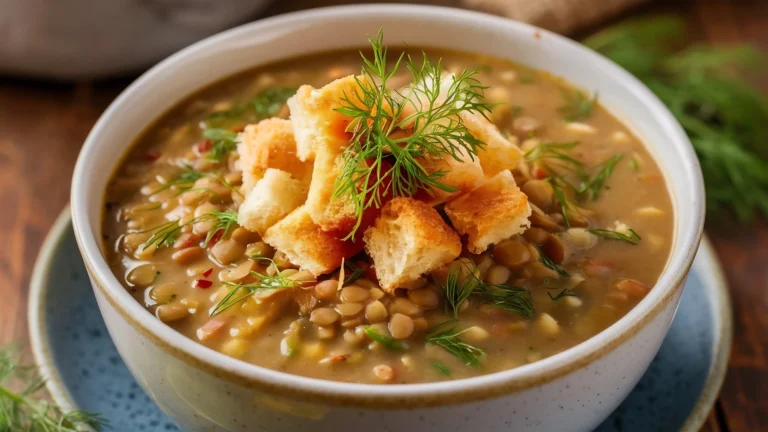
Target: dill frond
[
  {"x": 223, "y": 141},
  {"x": 630, "y": 236},
  {"x": 460, "y": 283},
  {"x": 267, "y": 103},
  {"x": 577, "y": 105},
  {"x": 377, "y": 163},
  {"x": 240, "y": 292},
  {"x": 511, "y": 299},
  {"x": 166, "y": 234},
  {"x": 387, "y": 342},
  {"x": 446, "y": 336},
  {"x": 22, "y": 411}
]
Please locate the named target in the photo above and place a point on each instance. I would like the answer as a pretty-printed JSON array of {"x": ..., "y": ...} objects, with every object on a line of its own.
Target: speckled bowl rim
[
  {"x": 41, "y": 345},
  {"x": 401, "y": 396}
]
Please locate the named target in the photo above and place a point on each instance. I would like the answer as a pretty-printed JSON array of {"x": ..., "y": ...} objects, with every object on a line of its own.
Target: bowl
[{"x": 202, "y": 389}]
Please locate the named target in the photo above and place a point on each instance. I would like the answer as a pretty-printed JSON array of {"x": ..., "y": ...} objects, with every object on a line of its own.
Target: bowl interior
[{"x": 336, "y": 28}]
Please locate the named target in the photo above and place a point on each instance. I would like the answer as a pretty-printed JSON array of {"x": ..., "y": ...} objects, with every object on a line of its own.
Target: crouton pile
[{"x": 290, "y": 169}]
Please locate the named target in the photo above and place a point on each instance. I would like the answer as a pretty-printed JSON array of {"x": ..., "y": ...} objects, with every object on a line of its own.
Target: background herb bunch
[{"x": 706, "y": 89}]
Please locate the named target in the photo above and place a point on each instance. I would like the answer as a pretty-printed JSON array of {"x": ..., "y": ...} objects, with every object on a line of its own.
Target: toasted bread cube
[
  {"x": 307, "y": 246},
  {"x": 334, "y": 215},
  {"x": 321, "y": 134},
  {"x": 275, "y": 196},
  {"x": 495, "y": 211},
  {"x": 316, "y": 123},
  {"x": 499, "y": 153},
  {"x": 463, "y": 175},
  {"x": 407, "y": 240},
  {"x": 269, "y": 144}
]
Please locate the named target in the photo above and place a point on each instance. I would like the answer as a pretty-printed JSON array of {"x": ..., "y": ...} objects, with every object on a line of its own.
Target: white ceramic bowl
[{"x": 205, "y": 390}]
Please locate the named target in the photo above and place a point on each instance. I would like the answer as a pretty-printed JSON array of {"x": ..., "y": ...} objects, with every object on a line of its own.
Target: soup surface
[{"x": 599, "y": 237}]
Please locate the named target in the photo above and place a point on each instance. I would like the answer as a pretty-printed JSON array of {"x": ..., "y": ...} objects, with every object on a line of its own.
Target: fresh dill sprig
[
  {"x": 356, "y": 274},
  {"x": 183, "y": 182},
  {"x": 240, "y": 292},
  {"x": 630, "y": 236},
  {"x": 387, "y": 342},
  {"x": 550, "y": 264},
  {"x": 223, "y": 141},
  {"x": 512, "y": 299},
  {"x": 441, "y": 368},
  {"x": 22, "y": 411},
  {"x": 564, "y": 293},
  {"x": 460, "y": 283},
  {"x": 226, "y": 221},
  {"x": 446, "y": 335},
  {"x": 555, "y": 152},
  {"x": 578, "y": 106},
  {"x": 593, "y": 186},
  {"x": 267, "y": 103},
  {"x": 706, "y": 88},
  {"x": 378, "y": 163},
  {"x": 561, "y": 198},
  {"x": 166, "y": 234}
]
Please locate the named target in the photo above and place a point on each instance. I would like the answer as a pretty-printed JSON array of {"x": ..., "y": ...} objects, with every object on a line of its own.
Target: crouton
[
  {"x": 321, "y": 133},
  {"x": 463, "y": 175},
  {"x": 316, "y": 123},
  {"x": 307, "y": 246},
  {"x": 407, "y": 240},
  {"x": 269, "y": 144},
  {"x": 275, "y": 196},
  {"x": 495, "y": 211},
  {"x": 499, "y": 153}
]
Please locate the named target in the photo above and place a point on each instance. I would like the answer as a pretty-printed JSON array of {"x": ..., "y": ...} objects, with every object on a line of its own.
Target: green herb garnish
[
  {"x": 387, "y": 342},
  {"x": 22, "y": 411},
  {"x": 166, "y": 234},
  {"x": 377, "y": 163},
  {"x": 556, "y": 152},
  {"x": 223, "y": 141},
  {"x": 512, "y": 299},
  {"x": 550, "y": 264},
  {"x": 459, "y": 287},
  {"x": 630, "y": 236},
  {"x": 564, "y": 293},
  {"x": 184, "y": 181},
  {"x": 356, "y": 274},
  {"x": 577, "y": 105},
  {"x": 446, "y": 336},
  {"x": 706, "y": 89},
  {"x": 592, "y": 187},
  {"x": 265, "y": 104},
  {"x": 441, "y": 368},
  {"x": 240, "y": 292}
]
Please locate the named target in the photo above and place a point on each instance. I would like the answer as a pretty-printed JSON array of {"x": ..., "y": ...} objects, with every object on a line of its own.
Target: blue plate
[{"x": 75, "y": 353}]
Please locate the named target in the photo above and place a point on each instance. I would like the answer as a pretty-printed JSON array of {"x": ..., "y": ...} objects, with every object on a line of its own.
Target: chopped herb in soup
[{"x": 436, "y": 216}]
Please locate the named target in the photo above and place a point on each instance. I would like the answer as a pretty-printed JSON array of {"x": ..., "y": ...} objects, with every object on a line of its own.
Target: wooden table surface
[{"x": 43, "y": 125}]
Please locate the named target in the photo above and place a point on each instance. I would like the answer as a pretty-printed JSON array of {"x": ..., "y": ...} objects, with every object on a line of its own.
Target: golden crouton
[
  {"x": 495, "y": 211},
  {"x": 307, "y": 246},
  {"x": 407, "y": 240},
  {"x": 499, "y": 153},
  {"x": 464, "y": 176},
  {"x": 275, "y": 196},
  {"x": 316, "y": 123},
  {"x": 269, "y": 144},
  {"x": 321, "y": 132}
]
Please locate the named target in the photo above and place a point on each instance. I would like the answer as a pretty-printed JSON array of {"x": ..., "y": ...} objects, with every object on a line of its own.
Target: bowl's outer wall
[
  {"x": 199, "y": 401},
  {"x": 576, "y": 400}
]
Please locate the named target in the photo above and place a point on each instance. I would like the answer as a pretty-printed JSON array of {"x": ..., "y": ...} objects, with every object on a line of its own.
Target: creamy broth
[{"x": 586, "y": 284}]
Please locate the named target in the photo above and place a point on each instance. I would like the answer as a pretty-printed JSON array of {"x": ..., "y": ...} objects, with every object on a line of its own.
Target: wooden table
[{"x": 43, "y": 125}]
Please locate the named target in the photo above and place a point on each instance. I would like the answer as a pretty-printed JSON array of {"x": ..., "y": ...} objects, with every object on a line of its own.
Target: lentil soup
[{"x": 481, "y": 284}]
